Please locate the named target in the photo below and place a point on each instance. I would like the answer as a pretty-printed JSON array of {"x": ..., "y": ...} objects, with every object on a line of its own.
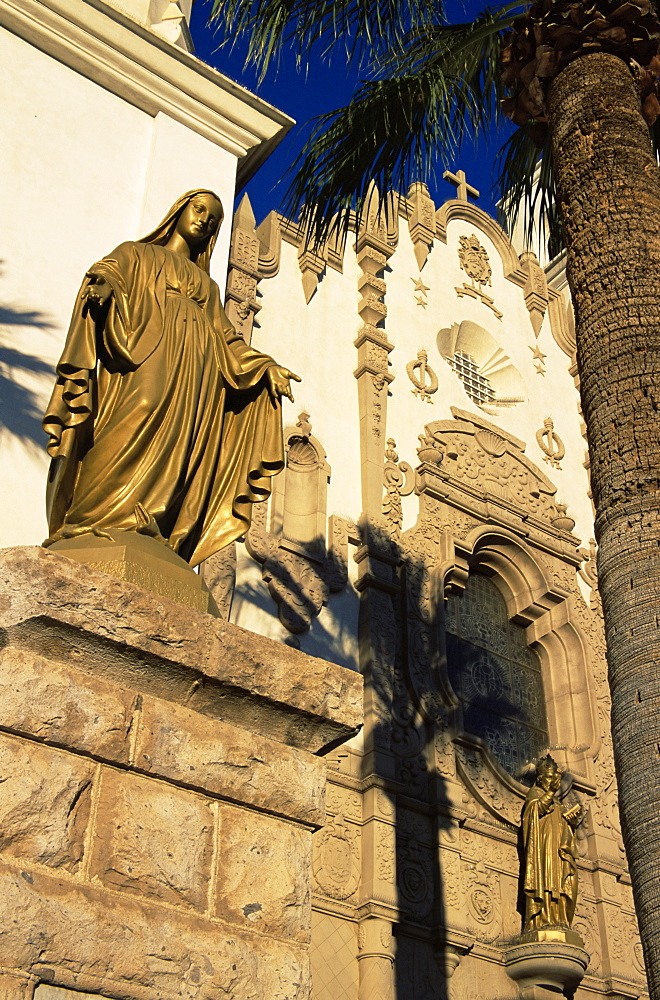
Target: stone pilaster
[
  {"x": 376, "y": 959},
  {"x": 421, "y": 221},
  {"x": 373, "y": 347},
  {"x": 241, "y": 303}
]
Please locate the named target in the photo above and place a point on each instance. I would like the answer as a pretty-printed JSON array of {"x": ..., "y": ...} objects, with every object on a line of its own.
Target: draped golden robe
[
  {"x": 160, "y": 403},
  {"x": 550, "y": 876}
]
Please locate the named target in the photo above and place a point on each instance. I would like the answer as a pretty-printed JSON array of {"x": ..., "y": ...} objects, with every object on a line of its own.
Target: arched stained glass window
[{"x": 495, "y": 674}]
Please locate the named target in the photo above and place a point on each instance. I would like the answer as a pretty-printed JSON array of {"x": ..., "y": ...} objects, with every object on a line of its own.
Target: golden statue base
[
  {"x": 558, "y": 933},
  {"x": 143, "y": 560}
]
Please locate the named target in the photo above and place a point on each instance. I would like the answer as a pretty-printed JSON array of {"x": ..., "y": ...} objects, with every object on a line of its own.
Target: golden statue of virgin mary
[{"x": 162, "y": 421}]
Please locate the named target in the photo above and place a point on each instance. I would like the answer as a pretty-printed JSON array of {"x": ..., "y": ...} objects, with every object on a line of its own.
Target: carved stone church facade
[
  {"x": 443, "y": 547},
  {"x": 431, "y": 532}
]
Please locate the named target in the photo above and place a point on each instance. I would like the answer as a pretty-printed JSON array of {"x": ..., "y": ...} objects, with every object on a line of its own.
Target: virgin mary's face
[{"x": 199, "y": 220}]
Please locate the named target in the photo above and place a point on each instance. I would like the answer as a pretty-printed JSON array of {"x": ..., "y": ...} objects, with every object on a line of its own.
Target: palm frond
[
  {"x": 399, "y": 127},
  {"x": 362, "y": 26},
  {"x": 527, "y": 186}
]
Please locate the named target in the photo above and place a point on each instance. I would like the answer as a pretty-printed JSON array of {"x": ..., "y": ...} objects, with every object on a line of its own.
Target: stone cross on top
[{"x": 460, "y": 182}]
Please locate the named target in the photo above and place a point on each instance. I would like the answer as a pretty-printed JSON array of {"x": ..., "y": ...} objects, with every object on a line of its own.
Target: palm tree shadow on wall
[
  {"x": 21, "y": 406},
  {"x": 406, "y": 742},
  {"x": 403, "y": 919}
]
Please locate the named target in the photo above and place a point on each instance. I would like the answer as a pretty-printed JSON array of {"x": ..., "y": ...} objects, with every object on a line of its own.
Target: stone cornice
[{"x": 131, "y": 61}]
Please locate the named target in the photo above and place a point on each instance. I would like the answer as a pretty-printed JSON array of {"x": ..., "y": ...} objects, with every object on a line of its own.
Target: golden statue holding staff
[
  {"x": 550, "y": 873},
  {"x": 163, "y": 421}
]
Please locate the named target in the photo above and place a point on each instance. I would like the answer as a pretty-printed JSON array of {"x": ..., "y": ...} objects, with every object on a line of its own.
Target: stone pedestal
[
  {"x": 159, "y": 785},
  {"x": 544, "y": 966},
  {"x": 148, "y": 562}
]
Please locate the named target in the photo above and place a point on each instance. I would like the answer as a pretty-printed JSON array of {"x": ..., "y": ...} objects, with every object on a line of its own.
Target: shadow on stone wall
[{"x": 410, "y": 750}]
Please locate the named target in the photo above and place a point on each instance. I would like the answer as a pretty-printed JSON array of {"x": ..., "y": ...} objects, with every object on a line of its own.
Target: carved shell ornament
[{"x": 474, "y": 260}]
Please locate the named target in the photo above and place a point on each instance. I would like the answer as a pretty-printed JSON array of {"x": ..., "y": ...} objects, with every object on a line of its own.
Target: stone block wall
[{"x": 157, "y": 793}]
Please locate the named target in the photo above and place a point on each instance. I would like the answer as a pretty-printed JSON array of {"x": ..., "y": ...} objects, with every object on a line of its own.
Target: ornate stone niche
[
  {"x": 304, "y": 556},
  {"x": 299, "y": 500}
]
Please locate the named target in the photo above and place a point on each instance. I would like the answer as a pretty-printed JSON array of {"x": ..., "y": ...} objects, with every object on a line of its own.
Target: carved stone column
[
  {"x": 376, "y": 960},
  {"x": 377, "y": 583},
  {"x": 373, "y": 377}
]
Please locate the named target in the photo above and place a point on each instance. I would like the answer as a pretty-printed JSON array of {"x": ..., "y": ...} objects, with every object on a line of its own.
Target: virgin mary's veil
[{"x": 163, "y": 231}]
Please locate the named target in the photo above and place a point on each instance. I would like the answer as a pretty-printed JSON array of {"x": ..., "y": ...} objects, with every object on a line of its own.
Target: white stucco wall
[{"x": 316, "y": 340}]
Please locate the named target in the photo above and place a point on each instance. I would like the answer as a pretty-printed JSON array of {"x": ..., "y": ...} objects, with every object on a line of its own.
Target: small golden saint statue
[
  {"x": 163, "y": 422},
  {"x": 550, "y": 879}
]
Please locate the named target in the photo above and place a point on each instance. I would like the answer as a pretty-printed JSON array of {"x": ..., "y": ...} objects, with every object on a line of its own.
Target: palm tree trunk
[{"x": 609, "y": 192}]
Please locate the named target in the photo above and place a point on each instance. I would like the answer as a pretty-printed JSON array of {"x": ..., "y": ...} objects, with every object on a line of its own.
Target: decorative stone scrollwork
[
  {"x": 550, "y": 443},
  {"x": 510, "y": 474},
  {"x": 492, "y": 792},
  {"x": 425, "y": 382},
  {"x": 336, "y": 862},
  {"x": 343, "y": 801},
  {"x": 474, "y": 260},
  {"x": 399, "y": 481},
  {"x": 482, "y": 892},
  {"x": 415, "y": 878},
  {"x": 586, "y": 925},
  {"x": 219, "y": 575},
  {"x": 588, "y": 571}
]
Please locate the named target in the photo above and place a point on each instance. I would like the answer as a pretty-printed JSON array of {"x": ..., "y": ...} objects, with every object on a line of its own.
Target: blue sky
[{"x": 305, "y": 94}]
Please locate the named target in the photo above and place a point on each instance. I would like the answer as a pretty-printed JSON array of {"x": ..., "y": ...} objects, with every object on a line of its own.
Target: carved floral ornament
[
  {"x": 399, "y": 481},
  {"x": 477, "y": 453}
]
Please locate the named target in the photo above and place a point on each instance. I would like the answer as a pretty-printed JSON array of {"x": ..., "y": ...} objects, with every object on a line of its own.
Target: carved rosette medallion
[{"x": 336, "y": 862}]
